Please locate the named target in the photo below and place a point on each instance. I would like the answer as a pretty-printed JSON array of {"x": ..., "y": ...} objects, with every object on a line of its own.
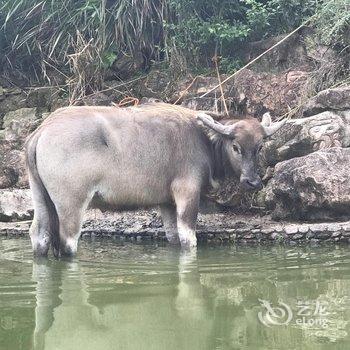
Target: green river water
[{"x": 145, "y": 296}]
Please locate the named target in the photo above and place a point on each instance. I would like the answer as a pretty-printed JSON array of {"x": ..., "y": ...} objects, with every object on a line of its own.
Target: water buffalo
[{"x": 124, "y": 158}]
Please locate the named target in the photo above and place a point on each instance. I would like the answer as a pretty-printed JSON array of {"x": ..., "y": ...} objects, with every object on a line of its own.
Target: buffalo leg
[
  {"x": 70, "y": 221},
  {"x": 40, "y": 229},
  {"x": 187, "y": 203},
  {"x": 40, "y": 234},
  {"x": 168, "y": 213}
]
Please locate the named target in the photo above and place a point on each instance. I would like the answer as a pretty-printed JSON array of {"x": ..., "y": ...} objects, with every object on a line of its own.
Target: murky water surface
[{"x": 129, "y": 296}]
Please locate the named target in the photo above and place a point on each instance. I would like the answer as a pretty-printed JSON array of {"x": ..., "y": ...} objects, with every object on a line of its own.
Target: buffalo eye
[{"x": 236, "y": 149}]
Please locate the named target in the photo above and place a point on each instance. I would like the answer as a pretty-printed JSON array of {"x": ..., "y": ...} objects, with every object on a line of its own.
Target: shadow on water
[{"x": 133, "y": 296}]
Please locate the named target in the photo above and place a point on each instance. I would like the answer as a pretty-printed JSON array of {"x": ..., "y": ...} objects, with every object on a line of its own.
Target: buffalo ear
[
  {"x": 269, "y": 127},
  {"x": 219, "y": 166},
  {"x": 222, "y": 167},
  {"x": 208, "y": 121}
]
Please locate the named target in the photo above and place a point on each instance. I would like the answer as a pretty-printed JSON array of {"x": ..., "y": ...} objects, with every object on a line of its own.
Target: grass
[
  {"x": 39, "y": 34},
  {"x": 81, "y": 39}
]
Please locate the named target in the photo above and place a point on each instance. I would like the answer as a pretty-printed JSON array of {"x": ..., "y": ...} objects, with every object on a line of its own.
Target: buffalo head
[{"x": 237, "y": 145}]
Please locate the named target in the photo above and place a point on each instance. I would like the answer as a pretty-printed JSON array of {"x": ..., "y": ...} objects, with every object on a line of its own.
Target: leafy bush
[
  {"x": 332, "y": 26},
  {"x": 202, "y": 28},
  {"x": 41, "y": 35},
  {"x": 285, "y": 15},
  {"x": 332, "y": 23}
]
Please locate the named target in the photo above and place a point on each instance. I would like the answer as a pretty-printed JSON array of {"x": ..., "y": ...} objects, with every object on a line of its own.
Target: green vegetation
[
  {"x": 37, "y": 35},
  {"x": 333, "y": 23},
  {"x": 201, "y": 28},
  {"x": 332, "y": 26},
  {"x": 88, "y": 37}
]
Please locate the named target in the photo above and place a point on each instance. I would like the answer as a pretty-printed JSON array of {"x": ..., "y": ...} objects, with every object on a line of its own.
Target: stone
[
  {"x": 291, "y": 229},
  {"x": 15, "y": 204},
  {"x": 323, "y": 235},
  {"x": 207, "y": 104},
  {"x": 313, "y": 187},
  {"x": 41, "y": 97},
  {"x": 331, "y": 99},
  {"x": 278, "y": 236},
  {"x": 333, "y": 227},
  {"x": 278, "y": 229},
  {"x": 255, "y": 93},
  {"x": 19, "y": 124},
  {"x": 14, "y": 228},
  {"x": 12, "y": 168},
  {"x": 303, "y": 228},
  {"x": 320, "y": 227},
  {"x": 346, "y": 226},
  {"x": 295, "y": 75},
  {"x": 310, "y": 235},
  {"x": 97, "y": 99},
  {"x": 10, "y": 101},
  {"x": 299, "y": 137},
  {"x": 267, "y": 231},
  {"x": 314, "y": 242},
  {"x": 22, "y": 114},
  {"x": 196, "y": 87}
]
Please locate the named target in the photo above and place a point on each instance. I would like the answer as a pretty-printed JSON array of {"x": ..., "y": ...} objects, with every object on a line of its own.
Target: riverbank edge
[{"x": 215, "y": 228}]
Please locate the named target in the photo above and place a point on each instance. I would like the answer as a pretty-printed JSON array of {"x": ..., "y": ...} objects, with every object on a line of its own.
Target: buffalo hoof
[
  {"x": 188, "y": 243},
  {"x": 40, "y": 246}
]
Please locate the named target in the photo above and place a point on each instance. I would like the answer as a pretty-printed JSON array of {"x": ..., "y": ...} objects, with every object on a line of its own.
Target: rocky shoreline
[
  {"x": 304, "y": 166},
  {"x": 218, "y": 228}
]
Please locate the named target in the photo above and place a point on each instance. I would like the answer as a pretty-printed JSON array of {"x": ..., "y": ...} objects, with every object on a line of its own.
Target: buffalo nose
[{"x": 251, "y": 184}]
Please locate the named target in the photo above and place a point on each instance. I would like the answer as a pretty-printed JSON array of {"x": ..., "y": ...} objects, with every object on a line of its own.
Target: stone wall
[
  {"x": 304, "y": 165},
  {"x": 218, "y": 228}
]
